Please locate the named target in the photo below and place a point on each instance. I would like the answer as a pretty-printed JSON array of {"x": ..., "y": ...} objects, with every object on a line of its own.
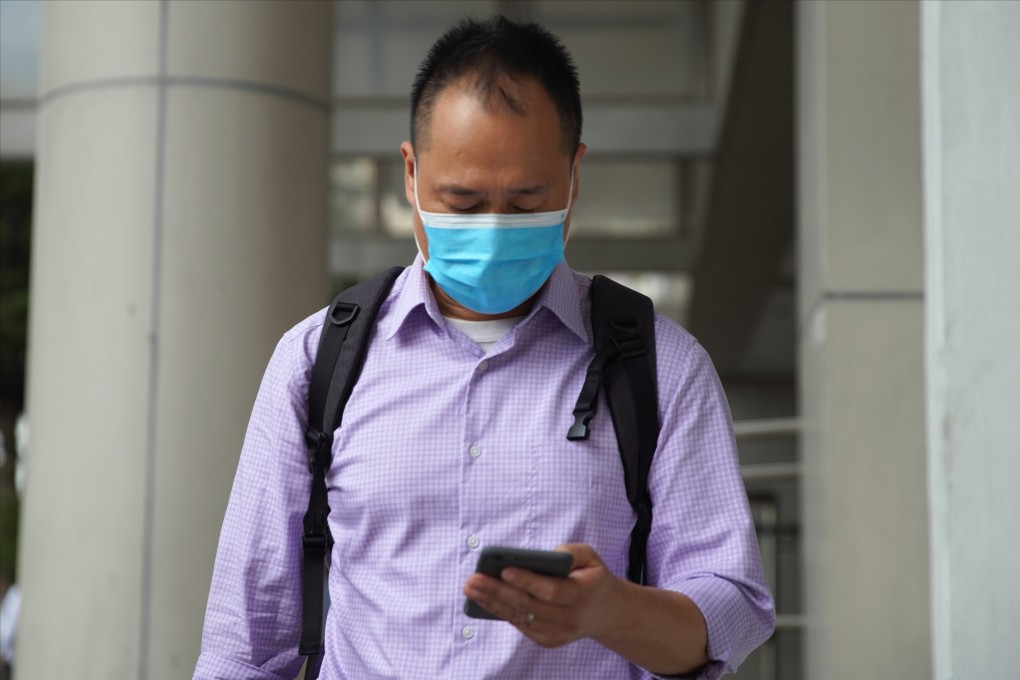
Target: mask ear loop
[
  {"x": 417, "y": 208},
  {"x": 570, "y": 200}
]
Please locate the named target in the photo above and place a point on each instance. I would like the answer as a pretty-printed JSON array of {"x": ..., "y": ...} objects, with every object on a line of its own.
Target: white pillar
[
  {"x": 180, "y": 228},
  {"x": 861, "y": 342},
  {"x": 970, "y": 53}
]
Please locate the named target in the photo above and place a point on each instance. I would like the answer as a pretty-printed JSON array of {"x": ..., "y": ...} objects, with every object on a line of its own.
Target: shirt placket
[{"x": 488, "y": 485}]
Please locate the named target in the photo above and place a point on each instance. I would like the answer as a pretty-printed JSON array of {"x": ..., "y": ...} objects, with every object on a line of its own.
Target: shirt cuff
[
  {"x": 216, "y": 667},
  {"x": 714, "y": 597},
  {"x": 713, "y": 670}
]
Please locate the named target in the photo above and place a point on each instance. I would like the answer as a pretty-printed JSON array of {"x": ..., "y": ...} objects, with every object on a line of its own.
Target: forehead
[{"x": 513, "y": 122}]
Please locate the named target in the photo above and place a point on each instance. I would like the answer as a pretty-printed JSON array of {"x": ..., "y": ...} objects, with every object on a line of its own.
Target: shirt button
[
  {"x": 483, "y": 367},
  {"x": 475, "y": 451},
  {"x": 473, "y": 542},
  {"x": 467, "y": 632}
]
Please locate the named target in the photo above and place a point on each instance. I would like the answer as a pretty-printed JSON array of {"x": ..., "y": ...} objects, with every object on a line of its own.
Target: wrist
[{"x": 619, "y": 616}]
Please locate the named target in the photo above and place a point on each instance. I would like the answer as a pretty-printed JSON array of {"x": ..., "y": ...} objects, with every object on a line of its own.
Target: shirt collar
[
  {"x": 560, "y": 295},
  {"x": 415, "y": 293}
]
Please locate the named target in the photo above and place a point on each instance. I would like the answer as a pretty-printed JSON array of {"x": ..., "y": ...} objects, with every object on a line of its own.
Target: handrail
[
  {"x": 759, "y": 472},
  {"x": 766, "y": 427},
  {"x": 790, "y": 621}
]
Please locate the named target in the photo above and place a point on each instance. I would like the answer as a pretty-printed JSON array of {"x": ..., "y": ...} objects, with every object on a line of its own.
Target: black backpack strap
[
  {"x": 345, "y": 333},
  {"x": 623, "y": 323}
]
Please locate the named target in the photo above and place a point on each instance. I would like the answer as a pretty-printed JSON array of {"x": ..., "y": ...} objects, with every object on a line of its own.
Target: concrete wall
[
  {"x": 180, "y": 229},
  {"x": 970, "y": 53},
  {"x": 861, "y": 264}
]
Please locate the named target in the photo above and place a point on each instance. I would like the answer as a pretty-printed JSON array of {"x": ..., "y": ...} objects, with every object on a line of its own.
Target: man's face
[{"x": 478, "y": 157}]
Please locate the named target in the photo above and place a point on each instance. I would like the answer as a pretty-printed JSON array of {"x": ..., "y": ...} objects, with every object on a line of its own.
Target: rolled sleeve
[
  {"x": 214, "y": 666},
  {"x": 702, "y": 543},
  {"x": 735, "y": 626}
]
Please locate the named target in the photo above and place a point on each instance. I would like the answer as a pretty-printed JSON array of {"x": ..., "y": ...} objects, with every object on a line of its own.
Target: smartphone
[{"x": 495, "y": 558}]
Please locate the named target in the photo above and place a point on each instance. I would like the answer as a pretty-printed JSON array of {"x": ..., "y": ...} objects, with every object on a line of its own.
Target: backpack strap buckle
[
  {"x": 342, "y": 313},
  {"x": 627, "y": 338},
  {"x": 320, "y": 448},
  {"x": 584, "y": 411},
  {"x": 315, "y": 538}
]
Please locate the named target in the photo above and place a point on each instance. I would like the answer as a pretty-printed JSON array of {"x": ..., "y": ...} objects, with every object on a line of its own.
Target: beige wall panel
[
  {"x": 972, "y": 171},
  {"x": 859, "y": 149},
  {"x": 872, "y": 108},
  {"x": 88, "y": 386},
  {"x": 815, "y": 511},
  {"x": 244, "y": 259},
  {"x": 151, "y": 327},
  {"x": 282, "y": 44},
  {"x": 129, "y": 47},
  {"x": 867, "y": 546},
  {"x": 812, "y": 170},
  {"x": 861, "y": 261}
]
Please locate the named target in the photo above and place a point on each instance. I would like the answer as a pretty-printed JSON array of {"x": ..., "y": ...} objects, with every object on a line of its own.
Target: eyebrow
[{"x": 458, "y": 190}]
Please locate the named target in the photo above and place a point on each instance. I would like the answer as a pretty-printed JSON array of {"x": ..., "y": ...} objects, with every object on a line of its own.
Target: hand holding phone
[{"x": 494, "y": 559}]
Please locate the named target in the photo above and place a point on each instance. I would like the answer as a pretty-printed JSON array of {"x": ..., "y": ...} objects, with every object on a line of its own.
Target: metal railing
[{"x": 770, "y": 663}]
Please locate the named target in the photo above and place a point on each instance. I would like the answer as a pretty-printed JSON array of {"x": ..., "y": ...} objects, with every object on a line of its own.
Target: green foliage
[
  {"x": 8, "y": 533},
  {"x": 15, "y": 239}
]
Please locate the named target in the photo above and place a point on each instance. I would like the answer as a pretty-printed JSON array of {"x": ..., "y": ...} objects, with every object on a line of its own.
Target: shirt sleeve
[
  {"x": 253, "y": 616},
  {"x": 702, "y": 541}
]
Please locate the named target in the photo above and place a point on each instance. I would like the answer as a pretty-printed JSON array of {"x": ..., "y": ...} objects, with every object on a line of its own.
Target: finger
[
  {"x": 550, "y": 589},
  {"x": 535, "y": 628},
  {"x": 584, "y": 555},
  {"x": 499, "y": 599},
  {"x": 543, "y": 632},
  {"x": 544, "y": 624}
]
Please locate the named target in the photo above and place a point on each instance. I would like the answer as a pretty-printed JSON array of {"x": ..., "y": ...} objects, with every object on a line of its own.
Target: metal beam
[
  {"x": 790, "y": 621},
  {"x": 766, "y": 427},
  {"x": 751, "y": 206},
  {"x": 770, "y": 472},
  {"x": 628, "y": 255},
  {"x": 653, "y": 126}
]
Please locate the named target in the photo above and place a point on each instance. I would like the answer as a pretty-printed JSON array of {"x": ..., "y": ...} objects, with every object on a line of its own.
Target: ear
[
  {"x": 407, "y": 151},
  {"x": 582, "y": 149},
  {"x": 575, "y": 189}
]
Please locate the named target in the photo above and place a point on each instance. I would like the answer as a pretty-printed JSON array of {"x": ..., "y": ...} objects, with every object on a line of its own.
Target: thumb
[{"x": 584, "y": 555}]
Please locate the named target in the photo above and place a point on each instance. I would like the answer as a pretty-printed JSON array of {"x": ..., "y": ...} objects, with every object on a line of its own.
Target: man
[{"x": 454, "y": 436}]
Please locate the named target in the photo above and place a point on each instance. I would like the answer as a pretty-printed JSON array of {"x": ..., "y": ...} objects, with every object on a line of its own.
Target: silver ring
[{"x": 528, "y": 620}]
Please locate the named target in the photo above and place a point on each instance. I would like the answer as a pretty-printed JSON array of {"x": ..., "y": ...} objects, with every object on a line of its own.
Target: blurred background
[{"x": 824, "y": 193}]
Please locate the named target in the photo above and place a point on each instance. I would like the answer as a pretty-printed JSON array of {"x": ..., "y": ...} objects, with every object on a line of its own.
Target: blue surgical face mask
[{"x": 491, "y": 262}]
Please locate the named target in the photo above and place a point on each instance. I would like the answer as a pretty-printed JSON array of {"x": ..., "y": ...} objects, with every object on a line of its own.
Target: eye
[{"x": 458, "y": 209}]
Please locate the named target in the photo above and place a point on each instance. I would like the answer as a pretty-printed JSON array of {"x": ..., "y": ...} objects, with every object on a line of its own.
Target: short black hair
[{"x": 489, "y": 50}]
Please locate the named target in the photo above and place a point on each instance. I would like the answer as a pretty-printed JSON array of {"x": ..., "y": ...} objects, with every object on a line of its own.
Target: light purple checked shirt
[{"x": 445, "y": 449}]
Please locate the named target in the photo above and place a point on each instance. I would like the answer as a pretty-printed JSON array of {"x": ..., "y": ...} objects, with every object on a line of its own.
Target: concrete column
[
  {"x": 861, "y": 340},
  {"x": 972, "y": 212},
  {"x": 180, "y": 229}
]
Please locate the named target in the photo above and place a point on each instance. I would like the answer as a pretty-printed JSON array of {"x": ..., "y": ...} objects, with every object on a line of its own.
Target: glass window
[
  {"x": 619, "y": 198},
  {"x": 396, "y": 213},
  {"x": 627, "y": 199},
  {"x": 614, "y": 44},
  {"x": 352, "y": 190},
  {"x": 378, "y": 45},
  {"x": 670, "y": 291}
]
